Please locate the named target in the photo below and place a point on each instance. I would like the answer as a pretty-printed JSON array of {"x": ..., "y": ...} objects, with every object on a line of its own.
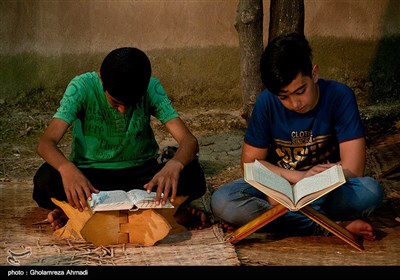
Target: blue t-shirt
[
  {"x": 300, "y": 141},
  {"x": 104, "y": 138}
]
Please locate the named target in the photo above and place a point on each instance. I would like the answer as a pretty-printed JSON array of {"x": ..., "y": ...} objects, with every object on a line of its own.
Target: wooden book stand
[
  {"x": 142, "y": 227},
  {"x": 308, "y": 211}
]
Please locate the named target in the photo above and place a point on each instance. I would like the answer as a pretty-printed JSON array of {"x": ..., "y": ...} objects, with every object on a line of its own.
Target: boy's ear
[{"x": 315, "y": 73}]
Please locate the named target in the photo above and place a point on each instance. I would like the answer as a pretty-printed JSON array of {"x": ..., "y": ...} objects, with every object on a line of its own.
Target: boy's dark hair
[
  {"x": 125, "y": 73},
  {"x": 283, "y": 59}
]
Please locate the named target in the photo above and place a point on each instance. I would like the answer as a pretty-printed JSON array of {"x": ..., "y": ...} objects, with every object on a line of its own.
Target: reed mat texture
[{"x": 27, "y": 240}]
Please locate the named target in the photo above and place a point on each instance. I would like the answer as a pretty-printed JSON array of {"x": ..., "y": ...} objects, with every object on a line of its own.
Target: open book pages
[
  {"x": 144, "y": 200},
  {"x": 293, "y": 196},
  {"x": 120, "y": 200}
]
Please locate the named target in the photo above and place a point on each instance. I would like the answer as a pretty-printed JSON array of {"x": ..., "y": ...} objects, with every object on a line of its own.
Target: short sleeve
[{"x": 159, "y": 101}]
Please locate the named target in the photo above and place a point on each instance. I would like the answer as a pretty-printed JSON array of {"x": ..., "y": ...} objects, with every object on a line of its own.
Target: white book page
[
  {"x": 143, "y": 199},
  {"x": 316, "y": 183},
  {"x": 137, "y": 195},
  {"x": 268, "y": 178},
  {"x": 114, "y": 198}
]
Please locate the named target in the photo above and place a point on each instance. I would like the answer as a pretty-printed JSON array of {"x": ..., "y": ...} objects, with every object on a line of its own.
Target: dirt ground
[{"x": 22, "y": 124}]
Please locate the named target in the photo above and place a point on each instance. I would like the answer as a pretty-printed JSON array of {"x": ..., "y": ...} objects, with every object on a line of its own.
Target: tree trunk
[
  {"x": 249, "y": 25},
  {"x": 286, "y": 16}
]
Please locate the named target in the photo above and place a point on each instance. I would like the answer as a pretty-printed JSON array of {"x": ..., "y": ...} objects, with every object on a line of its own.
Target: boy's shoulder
[
  {"x": 153, "y": 81},
  {"x": 335, "y": 94},
  {"x": 326, "y": 84},
  {"x": 87, "y": 81},
  {"x": 87, "y": 76},
  {"x": 84, "y": 80}
]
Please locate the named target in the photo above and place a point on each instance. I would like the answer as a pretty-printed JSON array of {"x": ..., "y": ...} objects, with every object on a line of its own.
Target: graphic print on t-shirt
[{"x": 304, "y": 151}]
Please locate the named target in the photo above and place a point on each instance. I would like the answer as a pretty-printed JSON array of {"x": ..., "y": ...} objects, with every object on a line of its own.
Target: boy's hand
[
  {"x": 77, "y": 187},
  {"x": 318, "y": 169},
  {"x": 166, "y": 181}
]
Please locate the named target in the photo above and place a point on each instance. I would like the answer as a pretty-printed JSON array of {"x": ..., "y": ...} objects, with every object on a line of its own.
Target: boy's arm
[
  {"x": 352, "y": 155},
  {"x": 47, "y": 146},
  {"x": 167, "y": 178},
  {"x": 77, "y": 188},
  {"x": 188, "y": 144}
]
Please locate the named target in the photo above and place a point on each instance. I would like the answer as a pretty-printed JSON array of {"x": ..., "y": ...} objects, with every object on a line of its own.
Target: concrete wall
[
  {"x": 356, "y": 19},
  {"x": 43, "y": 43},
  {"x": 80, "y": 26}
]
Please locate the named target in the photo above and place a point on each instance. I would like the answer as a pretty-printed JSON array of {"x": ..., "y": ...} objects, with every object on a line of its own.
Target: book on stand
[
  {"x": 296, "y": 196},
  {"x": 279, "y": 189}
]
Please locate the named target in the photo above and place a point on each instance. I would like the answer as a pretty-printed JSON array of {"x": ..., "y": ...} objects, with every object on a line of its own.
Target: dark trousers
[{"x": 47, "y": 181}]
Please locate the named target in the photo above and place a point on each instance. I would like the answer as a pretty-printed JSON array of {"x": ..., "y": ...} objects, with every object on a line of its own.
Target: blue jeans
[{"x": 237, "y": 203}]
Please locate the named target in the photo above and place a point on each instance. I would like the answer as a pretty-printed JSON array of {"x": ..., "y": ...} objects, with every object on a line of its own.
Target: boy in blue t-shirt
[
  {"x": 301, "y": 125},
  {"x": 113, "y": 144}
]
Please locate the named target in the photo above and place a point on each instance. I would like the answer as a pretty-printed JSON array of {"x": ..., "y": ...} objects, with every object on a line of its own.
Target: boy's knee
[
  {"x": 217, "y": 202},
  {"x": 375, "y": 190}
]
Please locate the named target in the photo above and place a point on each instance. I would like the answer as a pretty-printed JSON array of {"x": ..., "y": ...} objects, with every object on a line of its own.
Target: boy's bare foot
[
  {"x": 226, "y": 227},
  {"x": 191, "y": 218},
  {"x": 360, "y": 228},
  {"x": 57, "y": 218}
]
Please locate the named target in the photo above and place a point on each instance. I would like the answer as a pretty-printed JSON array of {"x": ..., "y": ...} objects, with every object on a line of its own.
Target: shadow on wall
[
  {"x": 385, "y": 68},
  {"x": 385, "y": 71}
]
